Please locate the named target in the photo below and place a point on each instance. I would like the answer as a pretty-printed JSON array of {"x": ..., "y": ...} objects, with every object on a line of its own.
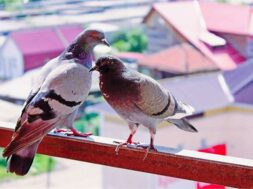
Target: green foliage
[
  {"x": 12, "y": 4},
  {"x": 132, "y": 41},
  {"x": 235, "y": 1},
  {"x": 122, "y": 46},
  {"x": 3, "y": 162},
  {"x": 88, "y": 123},
  {"x": 41, "y": 164}
]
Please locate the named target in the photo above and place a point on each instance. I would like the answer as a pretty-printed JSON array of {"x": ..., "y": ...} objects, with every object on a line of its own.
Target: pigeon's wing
[
  {"x": 37, "y": 82},
  {"x": 153, "y": 99},
  {"x": 35, "y": 122},
  {"x": 29, "y": 99},
  {"x": 156, "y": 101},
  {"x": 43, "y": 73},
  {"x": 59, "y": 96},
  {"x": 28, "y": 134}
]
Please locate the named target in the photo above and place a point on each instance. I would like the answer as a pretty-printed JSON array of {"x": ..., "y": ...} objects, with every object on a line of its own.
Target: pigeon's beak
[
  {"x": 93, "y": 69},
  {"x": 105, "y": 42}
]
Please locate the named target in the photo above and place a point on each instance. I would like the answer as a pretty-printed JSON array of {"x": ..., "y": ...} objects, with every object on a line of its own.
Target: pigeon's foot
[
  {"x": 148, "y": 149},
  {"x": 76, "y": 133},
  {"x": 60, "y": 130},
  {"x": 126, "y": 143},
  {"x": 120, "y": 144},
  {"x": 72, "y": 132}
]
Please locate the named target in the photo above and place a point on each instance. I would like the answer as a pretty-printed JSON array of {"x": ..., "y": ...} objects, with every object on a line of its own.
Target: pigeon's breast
[
  {"x": 119, "y": 93},
  {"x": 71, "y": 81}
]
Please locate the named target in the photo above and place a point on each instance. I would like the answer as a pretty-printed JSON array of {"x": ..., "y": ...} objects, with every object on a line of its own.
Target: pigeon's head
[
  {"x": 89, "y": 38},
  {"x": 108, "y": 64}
]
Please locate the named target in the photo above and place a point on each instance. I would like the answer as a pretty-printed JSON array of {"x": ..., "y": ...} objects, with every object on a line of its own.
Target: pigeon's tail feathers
[
  {"x": 28, "y": 134},
  {"x": 183, "y": 124},
  {"x": 182, "y": 110},
  {"x": 188, "y": 109},
  {"x": 20, "y": 162}
]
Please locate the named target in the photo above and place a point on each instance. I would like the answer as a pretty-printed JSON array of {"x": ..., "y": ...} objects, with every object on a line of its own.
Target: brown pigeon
[
  {"x": 139, "y": 99},
  {"x": 61, "y": 87}
]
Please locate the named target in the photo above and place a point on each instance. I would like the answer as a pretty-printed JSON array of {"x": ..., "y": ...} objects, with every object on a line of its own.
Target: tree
[
  {"x": 133, "y": 41},
  {"x": 11, "y": 4}
]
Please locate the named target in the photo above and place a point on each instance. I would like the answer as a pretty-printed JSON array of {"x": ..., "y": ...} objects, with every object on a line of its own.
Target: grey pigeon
[
  {"x": 139, "y": 99},
  {"x": 59, "y": 90}
]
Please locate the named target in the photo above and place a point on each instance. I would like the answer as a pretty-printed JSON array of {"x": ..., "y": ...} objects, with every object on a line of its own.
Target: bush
[
  {"x": 132, "y": 41},
  {"x": 11, "y": 5},
  {"x": 40, "y": 165},
  {"x": 88, "y": 123}
]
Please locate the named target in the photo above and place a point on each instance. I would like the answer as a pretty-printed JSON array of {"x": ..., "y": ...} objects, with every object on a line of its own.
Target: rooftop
[
  {"x": 202, "y": 86},
  {"x": 186, "y": 18},
  {"x": 228, "y": 22},
  {"x": 44, "y": 38},
  {"x": 240, "y": 82},
  {"x": 60, "y": 37},
  {"x": 178, "y": 59}
]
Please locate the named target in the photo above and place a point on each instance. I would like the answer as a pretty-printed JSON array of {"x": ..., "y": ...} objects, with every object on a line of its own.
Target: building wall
[
  {"x": 234, "y": 128},
  {"x": 240, "y": 43},
  {"x": 244, "y": 95},
  {"x": 1, "y": 65},
  {"x": 160, "y": 35},
  {"x": 249, "y": 49},
  {"x": 11, "y": 62},
  {"x": 154, "y": 73}
]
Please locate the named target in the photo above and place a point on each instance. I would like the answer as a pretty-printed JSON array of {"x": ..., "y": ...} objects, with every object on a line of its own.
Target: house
[
  {"x": 220, "y": 32},
  {"x": 30, "y": 49},
  {"x": 240, "y": 83},
  {"x": 2, "y": 42},
  {"x": 130, "y": 57},
  {"x": 177, "y": 60},
  {"x": 218, "y": 119}
]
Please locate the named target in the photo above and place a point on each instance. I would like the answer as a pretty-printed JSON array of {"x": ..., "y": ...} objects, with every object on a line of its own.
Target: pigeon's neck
[
  {"x": 86, "y": 60},
  {"x": 81, "y": 56}
]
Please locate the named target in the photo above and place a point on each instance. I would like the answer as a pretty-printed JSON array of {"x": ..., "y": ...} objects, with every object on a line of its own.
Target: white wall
[
  {"x": 11, "y": 61},
  {"x": 242, "y": 44},
  {"x": 160, "y": 35},
  {"x": 233, "y": 128}
]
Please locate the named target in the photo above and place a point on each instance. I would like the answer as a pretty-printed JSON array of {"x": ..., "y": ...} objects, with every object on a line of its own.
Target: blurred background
[{"x": 199, "y": 50}]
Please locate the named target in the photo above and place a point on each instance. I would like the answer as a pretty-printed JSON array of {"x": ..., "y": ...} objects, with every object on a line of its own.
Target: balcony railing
[{"x": 185, "y": 164}]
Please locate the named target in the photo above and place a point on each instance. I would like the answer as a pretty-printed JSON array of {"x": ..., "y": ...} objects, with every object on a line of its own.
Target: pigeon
[
  {"x": 139, "y": 99},
  {"x": 61, "y": 87}
]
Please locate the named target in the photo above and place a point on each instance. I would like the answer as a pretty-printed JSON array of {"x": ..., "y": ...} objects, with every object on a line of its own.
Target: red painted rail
[{"x": 198, "y": 166}]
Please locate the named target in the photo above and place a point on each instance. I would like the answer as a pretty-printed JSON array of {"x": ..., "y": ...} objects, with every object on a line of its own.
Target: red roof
[
  {"x": 227, "y": 18},
  {"x": 178, "y": 59},
  {"x": 70, "y": 32},
  {"x": 131, "y": 55},
  {"x": 186, "y": 19},
  {"x": 40, "y": 45}
]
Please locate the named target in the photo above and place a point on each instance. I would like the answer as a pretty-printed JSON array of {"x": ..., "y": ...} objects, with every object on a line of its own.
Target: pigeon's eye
[
  {"x": 94, "y": 34},
  {"x": 104, "y": 69},
  {"x": 97, "y": 36}
]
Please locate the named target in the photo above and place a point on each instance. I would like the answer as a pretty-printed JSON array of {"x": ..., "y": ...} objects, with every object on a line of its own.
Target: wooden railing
[{"x": 185, "y": 164}]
